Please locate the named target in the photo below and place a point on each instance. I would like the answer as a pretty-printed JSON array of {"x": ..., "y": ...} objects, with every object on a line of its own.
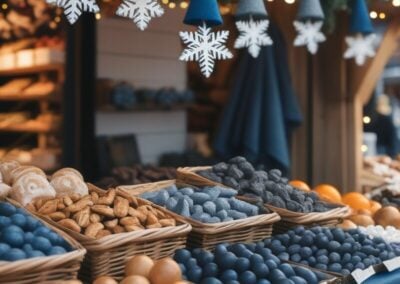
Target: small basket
[
  {"x": 289, "y": 219},
  {"x": 47, "y": 269},
  {"x": 108, "y": 255},
  {"x": 208, "y": 236}
]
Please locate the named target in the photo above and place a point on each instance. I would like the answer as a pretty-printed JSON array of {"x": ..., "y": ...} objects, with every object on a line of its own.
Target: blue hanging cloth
[
  {"x": 203, "y": 11},
  {"x": 262, "y": 110},
  {"x": 360, "y": 21},
  {"x": 384, "y": 277}
]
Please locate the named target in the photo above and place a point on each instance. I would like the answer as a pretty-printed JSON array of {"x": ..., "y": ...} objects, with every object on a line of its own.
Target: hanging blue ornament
[
  {"x": 360, "y": 21},
  {"x": 251, "y": 8},
  {"x": 203, "y": 11},
  {"x": 310, "y": 10}
]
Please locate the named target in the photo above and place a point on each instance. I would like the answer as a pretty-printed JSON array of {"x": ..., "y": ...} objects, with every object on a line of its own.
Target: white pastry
[
  {"x": 23, "y": 170},
  {"x": 4, "y": 190},
  {"x": 30, "y": 187},
  {"x": 69, "y": 184},
  {"x": 6, "y": 168},
  {"x": 67, "y": 171}
]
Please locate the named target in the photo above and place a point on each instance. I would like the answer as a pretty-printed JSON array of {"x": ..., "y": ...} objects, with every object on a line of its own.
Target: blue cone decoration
[
  {"x": 310, "y": 10},
  {"x": 203, "y": 11},
  {"x": 253, "y": 8},
  {"x": 359, "y": 20}
]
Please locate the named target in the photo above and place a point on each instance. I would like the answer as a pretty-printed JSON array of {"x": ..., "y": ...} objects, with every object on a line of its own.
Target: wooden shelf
[
  {"x": 144, "y": 108},
  {"x": 24, "y": 97},
  {"x": 27, "y": 127},
  {"x": 31, "y": 70}
]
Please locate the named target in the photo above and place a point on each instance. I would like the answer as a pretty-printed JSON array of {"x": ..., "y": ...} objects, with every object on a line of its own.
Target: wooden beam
[{"x": 363, "y": 81}]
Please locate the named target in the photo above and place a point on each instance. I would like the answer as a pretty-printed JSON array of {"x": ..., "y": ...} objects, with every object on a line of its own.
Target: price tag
[
  {"x": 361, "y": 275},
  {"x": 392, "y": 264}
]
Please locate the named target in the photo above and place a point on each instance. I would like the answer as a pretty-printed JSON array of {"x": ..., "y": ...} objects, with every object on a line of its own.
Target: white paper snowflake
[
  {"x": 253, "y": 35},
  {"x": 140, "y": 11},
  {"x": 205, "y": 47},
  {"x": 360, "y": 47},
  {"x": 73, "y": 9},
  {"x": 309, "y": 34}
]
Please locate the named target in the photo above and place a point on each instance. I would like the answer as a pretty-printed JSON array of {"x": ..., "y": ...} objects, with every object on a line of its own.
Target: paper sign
[
  {"x": 361, "y": 275},
  {"x": 392, "y": 264}
]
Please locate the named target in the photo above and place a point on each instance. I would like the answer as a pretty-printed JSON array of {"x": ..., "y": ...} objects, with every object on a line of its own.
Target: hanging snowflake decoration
[
  {"x": 140, "y": 11},
  {"x": 205, "y": 47},
  {"x": 253, "y": 35},
  {"x": 73, "y": 9},
  {"x": 360, "y": 47},
  {"x": 309, "y": 34}
]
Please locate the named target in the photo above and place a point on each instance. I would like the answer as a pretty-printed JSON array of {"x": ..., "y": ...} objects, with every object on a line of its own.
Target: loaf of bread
[{"x": 31, "y": 186}]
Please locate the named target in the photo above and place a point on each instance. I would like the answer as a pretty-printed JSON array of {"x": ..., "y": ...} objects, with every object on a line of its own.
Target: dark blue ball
[
  {"x": 242, "y": 264},
  {"x": 27, "y": 247},
  {"x": 287, "y": 270},
  {"x": 335, "y": 267},
  {"x": 263, "y": 281},
  {"x": 323, "y": 259},
  {"x": 227, "y": 261},
  {"x": 4, "y": 248},
  {"x": 322, "y": 241},
  {"x": 182, "y": 255},
  {"x": 205, "y": 257},
  {"x": 321, "y": 266},
  {"x": 248, "y": 277},
  {"x": 235, "y": 248},
  {"x": 29, "y": 237},
  {"x": 42, "y": 244},
  {"x": 32, "y": 223},
  {"x": 210, "y": 270},
  {"x": 194, "y": 274},
  {"x": 298, "y": 280},
  {"x": 6, "y": 209},
  {"x": 210, "y": 280},
  {"x": 41, "y": 231},
  {"x": 286, "y": 281},
  {"x": 191, "y": 263},
  {"x": 56, "y": 250},
  {"x": 306, "y": 274},
  {"x": 334, "y": 257},
  {"x": 312, "y": 260},
  {"x": 307, "y": 240},
  {"x": 228, "y": 275},
  {"x": 256, "y": 258},
  {"x": 338, "y": 235},
  {"x": 294, "y": 249},
  {"x": 305, "y": 252},
  {"x": 4, "y": 222},
  {"x": 34, "y": 253},
  {"x": 271, "y": 264},
  {"x": 276, "y": 275},
  {"x": 284, "y": 256},
  {"x": 14, "y": 254},
  {"x": 261, "y": 270},
  {"x": 345, "y": 272},
  {"x": 321, "y": 252},
  {"x": 12, "y": 228},
  {"x": 295, "y": 257},
  {"x": 349, "y": 266},
  {"x": 14, "y": 238},
  {"x": 197, "y": 252},
  {"x": 360, "y": 265},
  {"x": 18, "y": 220},
  {"x": 355, "y": 259},
  {"x": 346, "y": 258}
]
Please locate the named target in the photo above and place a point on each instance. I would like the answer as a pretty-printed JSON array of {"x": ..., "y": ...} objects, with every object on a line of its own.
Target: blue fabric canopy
[
  {"x": 385, "y": 278},
  {"x": 262, "y": 110}
]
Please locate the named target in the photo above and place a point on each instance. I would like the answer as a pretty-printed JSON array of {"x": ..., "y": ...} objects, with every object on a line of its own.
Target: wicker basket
[
  {"x": 108, "y": 255},
  {"x": 207, "y": 236},
  {"x": 289, "y": 219},
  {"x": 49, "y": 269}
]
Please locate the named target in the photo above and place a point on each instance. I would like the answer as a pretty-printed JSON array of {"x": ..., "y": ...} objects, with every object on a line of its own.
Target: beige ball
[
  {"x": 135, "y": 279},
  {"x": 139, "y": 265},
  {"x": 105, "y": 280}
]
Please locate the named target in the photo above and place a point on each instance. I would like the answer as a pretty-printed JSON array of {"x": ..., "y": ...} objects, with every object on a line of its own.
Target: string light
[
  {"x": 4, "y": 6},
  {"x": 364, "y": 148},
  {"x": 396, "y": 3},
  {"x": 382, "y": 16},
  {"x": 98, "y": 16},
  {"x": 184, "y": 5},
  {"x": 373, "y": 14},
  {"x": 172, "y": 5},
  {"x": 366, "y": 119},
  {"x": 290, "y": 1},
  {"x": 165, "y": 2}
]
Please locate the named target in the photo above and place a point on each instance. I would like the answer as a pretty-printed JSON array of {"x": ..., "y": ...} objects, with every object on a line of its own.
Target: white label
[
  {"x": 392, "y": 264},
  {"x": 362, "y": 275}
]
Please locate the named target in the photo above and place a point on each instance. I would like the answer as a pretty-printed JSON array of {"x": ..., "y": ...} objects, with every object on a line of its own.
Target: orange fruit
[
  {"x": 329, "y": 193},
  {"x": 374, "y": 206},
  {"x": 300, "y": 185},
  {"x": 356, "y": 201}
]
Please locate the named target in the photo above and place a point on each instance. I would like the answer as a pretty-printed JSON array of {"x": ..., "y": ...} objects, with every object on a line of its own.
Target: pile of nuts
[{"x": 99, "y": 215}]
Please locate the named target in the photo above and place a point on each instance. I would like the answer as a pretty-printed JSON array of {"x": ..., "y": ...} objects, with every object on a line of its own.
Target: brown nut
[
  {"x": 48, "y": 207},
  {"x": 134, "y": 202},
  {"x": 95, "y": 196},
  {"x": 160, "y": 214},
  {"x": 138, "y": 214},
  {"x": 118, "y": 229},
  {"x": 121, "y": 207},
  {"x": 154, "y": 226},
  {"x": 79, "y": 205},
  {"x": 131, "y": 228},
  {"x": 151, "y": 219},
  {"x": 70, "y": 224},
  {"x": 82, "y": 217},
  {"x": 103, "y": 233},
  {"x": 103, "y": 210},
  {"x": 31, "y": 207},
  {"x": 129, "y": 221},
  {"x": 95, "y": 218},
  {"x": 57, "y": 216},
  {"x": 143, "y": 209},
  {"x": 67, "y": 201},
  {"x": 60, "y": 205},
  {"x": 75, "y": 197},
  {"x": 39, "y": 203},
  {"x": 111, "y": 224},
  {"x": 92, "y": 230},
  {"x": 108, "y": 198},
  {"x": 168, "y": 223}
]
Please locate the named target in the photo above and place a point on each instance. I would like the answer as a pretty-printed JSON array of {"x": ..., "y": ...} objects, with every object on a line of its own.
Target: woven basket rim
[
  {"x": 342, "y": 211},
  {"x": 46, "y": 262},
  {"x": 261, "y": 219}
]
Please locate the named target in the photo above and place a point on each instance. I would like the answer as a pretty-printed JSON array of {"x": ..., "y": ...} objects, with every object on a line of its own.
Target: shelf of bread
[
  {"x": 17, "y": 122},
  {"x": 47, "y": 159},
  {"x": 27, "y": 89},
  {"x": 31, "y": 70}
]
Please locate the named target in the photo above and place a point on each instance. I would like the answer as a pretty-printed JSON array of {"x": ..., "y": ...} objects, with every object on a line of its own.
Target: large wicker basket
[
  {"x": 207, "y": 236},
  {"x": 108, "y": 255},
  {"x": 49, "y": 269},
  {"x": 289, "y": 219}
]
